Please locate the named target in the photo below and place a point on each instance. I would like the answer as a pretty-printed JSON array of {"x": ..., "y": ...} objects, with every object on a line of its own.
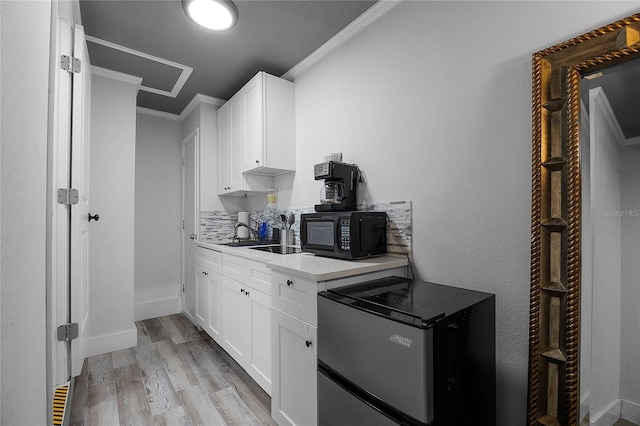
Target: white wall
[
  {"x": 586, "y": 266},
  {"x": 605, "y": 139},
  {"x": 112, "y": 183},
  {"x": 610, "y": 310},
  {"x": 158, "y": 289},
  {"x": 630, "y": 307},
  {"x": 433, "y": 102},
  {"x": 24, "y": 39}
]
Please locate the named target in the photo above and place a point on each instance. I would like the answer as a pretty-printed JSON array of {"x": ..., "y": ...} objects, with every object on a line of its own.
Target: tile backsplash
[{"x": 217, "y": 226}]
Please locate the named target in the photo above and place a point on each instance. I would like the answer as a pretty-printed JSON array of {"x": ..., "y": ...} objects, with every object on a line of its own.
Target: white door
[
  {"x": 60, "y": 219},
  {"x": 190, "y": 211},
  {"x": 70, "y": 232},
  {"x": 79, "y": 294}
]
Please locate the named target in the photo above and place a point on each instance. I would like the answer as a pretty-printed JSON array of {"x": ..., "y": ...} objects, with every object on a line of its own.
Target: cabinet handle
[
  {"x": 308, "y": 343},
  {"x": 257, "y": 161},
  {"x": 289, "y": 282},
  {"x": 246, "y": 292},
  {"x": 95, "y": 217},
  {"x": 242, "y": 290},
  {"x": 206, "y": 274}
]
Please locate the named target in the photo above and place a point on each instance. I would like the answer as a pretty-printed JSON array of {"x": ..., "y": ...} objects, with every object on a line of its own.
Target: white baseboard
[
  {"x": 630, "y": 412},
  {"x": 187, "y": 313},
  {"x": 584, "y": 406},
  {"x": 157, "y": 308},
  {"x": 607, "y": 416},
  {"x": 113, "y": 342}
]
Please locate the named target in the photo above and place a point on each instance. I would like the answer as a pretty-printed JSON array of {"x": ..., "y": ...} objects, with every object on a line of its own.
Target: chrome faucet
[{"x": 253, "y": 231}]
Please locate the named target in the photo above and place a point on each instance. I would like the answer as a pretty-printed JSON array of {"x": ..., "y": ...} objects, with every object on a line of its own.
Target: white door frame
[
  {"x": 195, "y": 137},
  {"x": 80, "y": 225},
  {"x": 58, "y": 247}
]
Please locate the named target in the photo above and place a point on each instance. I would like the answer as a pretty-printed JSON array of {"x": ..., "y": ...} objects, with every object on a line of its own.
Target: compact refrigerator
[{"x": 401, "y": 351}]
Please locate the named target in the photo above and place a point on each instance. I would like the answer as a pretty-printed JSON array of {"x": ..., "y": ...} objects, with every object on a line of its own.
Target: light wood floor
[{"x": 175, "y": 376}]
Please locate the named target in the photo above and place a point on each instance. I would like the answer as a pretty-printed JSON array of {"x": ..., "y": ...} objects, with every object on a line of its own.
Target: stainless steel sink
[
  {"x": 277, "y": 249},
  {"x": 248, "y": 243}
]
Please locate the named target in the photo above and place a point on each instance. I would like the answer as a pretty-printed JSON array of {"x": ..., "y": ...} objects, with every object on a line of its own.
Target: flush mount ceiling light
[{"x": 217, "y": 15}]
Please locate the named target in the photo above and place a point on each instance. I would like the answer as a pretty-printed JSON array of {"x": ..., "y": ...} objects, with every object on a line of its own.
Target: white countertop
[{"x": 310, "y": 266}]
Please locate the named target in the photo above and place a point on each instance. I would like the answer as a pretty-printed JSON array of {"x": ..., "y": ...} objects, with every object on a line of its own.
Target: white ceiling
[{"x": 155, "y": 40}]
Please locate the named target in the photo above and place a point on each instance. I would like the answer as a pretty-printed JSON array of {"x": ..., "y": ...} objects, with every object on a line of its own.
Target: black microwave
[{"x": 344, "y": 235}]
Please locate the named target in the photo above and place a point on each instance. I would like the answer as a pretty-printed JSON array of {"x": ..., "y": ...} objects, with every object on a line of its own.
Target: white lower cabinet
[
  {"x": 259, "y": 366},
  {"x": 207, "y": 274},
  {"x": 202, "y": 296},
  {"x": 294, "y": 329},
  {"x": 294, "y": 394},
  {"x": 246, "y": 329},
  {"x": 214, "y": 324},
  {"x": 236, "y": 320},
  {"x": 233, "y": 305},
  {"x": 208, "y": 301}
]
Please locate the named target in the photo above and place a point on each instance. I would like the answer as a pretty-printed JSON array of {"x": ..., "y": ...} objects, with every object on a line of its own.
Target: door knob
[
  {"x": 192, "y": 236},
  {"x": 95, "y": 217},
  {"x": 308, "y": 343}
]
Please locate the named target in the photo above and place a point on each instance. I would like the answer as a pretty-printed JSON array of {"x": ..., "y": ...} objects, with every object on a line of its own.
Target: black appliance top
[{"x": 416, "y": 303}]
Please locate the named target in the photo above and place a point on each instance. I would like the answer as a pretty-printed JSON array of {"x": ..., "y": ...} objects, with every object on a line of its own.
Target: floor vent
[{"x": 59, "y": 404}]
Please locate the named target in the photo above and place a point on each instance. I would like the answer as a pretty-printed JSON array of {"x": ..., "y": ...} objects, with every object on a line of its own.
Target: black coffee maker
[{"x": 340, "y": 182}]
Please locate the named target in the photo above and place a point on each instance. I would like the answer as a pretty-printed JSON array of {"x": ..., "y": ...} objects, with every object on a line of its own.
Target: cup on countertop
[{"x": 287, "y": 238}]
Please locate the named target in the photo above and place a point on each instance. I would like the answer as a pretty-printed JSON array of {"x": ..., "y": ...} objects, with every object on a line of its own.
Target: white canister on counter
[{"x": 243, "y": 217}]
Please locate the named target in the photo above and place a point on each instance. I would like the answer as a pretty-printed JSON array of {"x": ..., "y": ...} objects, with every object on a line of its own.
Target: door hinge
[
  {"x": 183, "y": 287},
  {"x": 67, "y": 196},
  {"x": 67, "y": 332},
  {"x": 183, "y": 161},
  {"x": 70, "y": 64},
  {"x": 183, "y": 224}
]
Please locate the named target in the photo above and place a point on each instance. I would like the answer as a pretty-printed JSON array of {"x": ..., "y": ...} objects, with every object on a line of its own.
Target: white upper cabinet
[
  {"x": 230, "y": 141},
  {"x": 269, "y": 113},
  {"x": 256, "y": 135}
]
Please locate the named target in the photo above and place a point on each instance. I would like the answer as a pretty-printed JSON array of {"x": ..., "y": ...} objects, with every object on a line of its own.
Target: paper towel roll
[{"x": 243, "y": 217}]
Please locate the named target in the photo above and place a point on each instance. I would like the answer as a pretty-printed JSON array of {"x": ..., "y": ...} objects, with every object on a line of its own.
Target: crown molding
[
  {"x": 158, "y": 114},
  {"x": 634, "y": 141},
  {"x": 363, "y": 21},
  {"x": 115, "y": 75},
  {"x": 200, "y": 99},
  {"x": 599, "y": 96}
]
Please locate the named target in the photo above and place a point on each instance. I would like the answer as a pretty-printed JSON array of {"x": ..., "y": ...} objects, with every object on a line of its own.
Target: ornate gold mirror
[{"x": 556, "y": 230}]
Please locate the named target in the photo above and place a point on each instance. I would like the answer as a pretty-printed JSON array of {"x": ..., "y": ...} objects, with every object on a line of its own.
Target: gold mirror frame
[{"x": 555, "y": 214}]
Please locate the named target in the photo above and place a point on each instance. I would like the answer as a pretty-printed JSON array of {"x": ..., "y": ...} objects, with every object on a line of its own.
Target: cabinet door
[
  {"x": 237, "y": 143},
  {"x": 236, "y": 334},
  {"x": 294, "y": 385},
  {"x": 230, "y": 141},
  {"x": 254, "y": 123},
  {"x": 224, "y": 148},
  {"x": 214, "y": 324},
  {"x": 260, "y": 366},
  {"x": 202, "y": 296}
]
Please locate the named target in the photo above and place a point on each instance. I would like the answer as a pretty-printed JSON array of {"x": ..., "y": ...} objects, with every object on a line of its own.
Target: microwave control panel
[{"x": 345, "y": 234}]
